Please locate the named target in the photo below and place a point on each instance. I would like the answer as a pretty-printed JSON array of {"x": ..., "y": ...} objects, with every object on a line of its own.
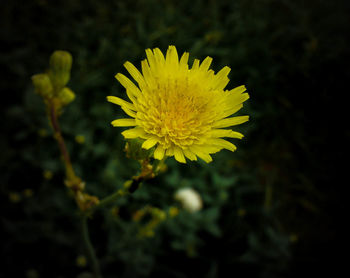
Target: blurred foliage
[{"x": 270, "y": 208}]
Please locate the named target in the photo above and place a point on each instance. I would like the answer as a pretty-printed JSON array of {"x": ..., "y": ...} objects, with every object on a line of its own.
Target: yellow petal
[
  {"x": 201, "y": 154},
  {"x": 147, "y": 73},
  {"x": 150, "y": 58},
  {"x": 159, "y": 152},
  {"x": 133, "y": 133},
  {"x": 128, "y": 84},
  {"x": 238, "y": 90},
  {"x": 172, "y": 59},
  {"x": 190, "y": 155},
  {"x": 206, "y": 157},
  {"x": 206, "y": 64},
  {"x": 170, "y": 151},
  {"x": 195, "y": 65},
  {"x": 223, "y": 143},
  {"x": 149, "y": 143},
  {"x": 158, "y": 55},
  {"x": 124, "y": 122},
  {"x": 134, "y": 72},
  {"x": 221, "y": 79},
  {"x": 121, "y": 102},
  {"x": 217, "y": 133},
  {"x": 179, "y": 155},
  {"x": 223, "y": 72},
  {"x": 230, "y": 121},
  {"x": 129, "y": 112},
  {"x": 231, "y": 111},
  {"x": 235, "y": 99},
  {"x": 184, "y": 61},
  {"x": 210, "y": 148}
]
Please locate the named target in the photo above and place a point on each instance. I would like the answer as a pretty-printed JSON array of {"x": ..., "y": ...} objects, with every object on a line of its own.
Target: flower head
[{"x": 181, "y": 111}]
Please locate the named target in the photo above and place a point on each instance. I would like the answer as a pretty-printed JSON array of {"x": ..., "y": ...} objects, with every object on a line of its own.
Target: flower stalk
[
  {"x": 51, "y": 87},
  {"x": 130, "y": 186},
  {"x": 61, "y": 143},
  {"x": 89, "y": 247}
]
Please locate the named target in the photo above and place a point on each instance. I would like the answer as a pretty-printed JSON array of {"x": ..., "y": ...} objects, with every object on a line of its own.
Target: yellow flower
[
  {"x": 181, "y": 111},
  {"x": 80, "y": 139}
]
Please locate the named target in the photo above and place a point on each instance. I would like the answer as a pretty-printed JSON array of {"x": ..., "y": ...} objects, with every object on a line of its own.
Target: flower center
[{"x": 177, "y": 112}]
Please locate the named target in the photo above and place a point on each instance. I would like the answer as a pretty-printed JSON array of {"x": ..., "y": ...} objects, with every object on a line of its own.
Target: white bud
[{"x": 189, "y": 198}]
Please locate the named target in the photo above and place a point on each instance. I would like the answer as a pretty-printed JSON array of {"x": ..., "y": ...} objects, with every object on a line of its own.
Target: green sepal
[{"x": 134, "y": 149}]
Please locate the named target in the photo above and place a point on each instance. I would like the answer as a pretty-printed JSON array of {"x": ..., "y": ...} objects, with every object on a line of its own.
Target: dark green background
[{"x": 293, "y": 58}]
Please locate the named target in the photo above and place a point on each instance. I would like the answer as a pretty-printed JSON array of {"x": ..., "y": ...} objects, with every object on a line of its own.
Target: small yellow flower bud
[
  {"x": 60, "y": 66},
  {"x": 66, "y": 96},
  {"x": 42, "y": 132},
  {"x": 81, "y": 261},
  {"x": 42, "y": 85},
  {"x": 47, "y": 174},
  {"x": 28, "y": 193},
  {"x": 80, "y": 139},
  {"x": 14, "y": 197}
]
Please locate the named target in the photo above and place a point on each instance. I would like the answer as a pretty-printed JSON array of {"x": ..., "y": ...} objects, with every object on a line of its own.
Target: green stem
[
  {"x": 133, "y": 186},
  {"x": 109, "y": 199},
  {"x": 89, "y": 248}
]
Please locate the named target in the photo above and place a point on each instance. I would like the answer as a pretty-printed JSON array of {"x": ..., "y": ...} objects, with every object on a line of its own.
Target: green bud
[
  {"x": 60, "y": 66},
  {"x": 134, "y": 149},
  {"x": 42, "y": 85},
  {"x": 66, "y": 96}
]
